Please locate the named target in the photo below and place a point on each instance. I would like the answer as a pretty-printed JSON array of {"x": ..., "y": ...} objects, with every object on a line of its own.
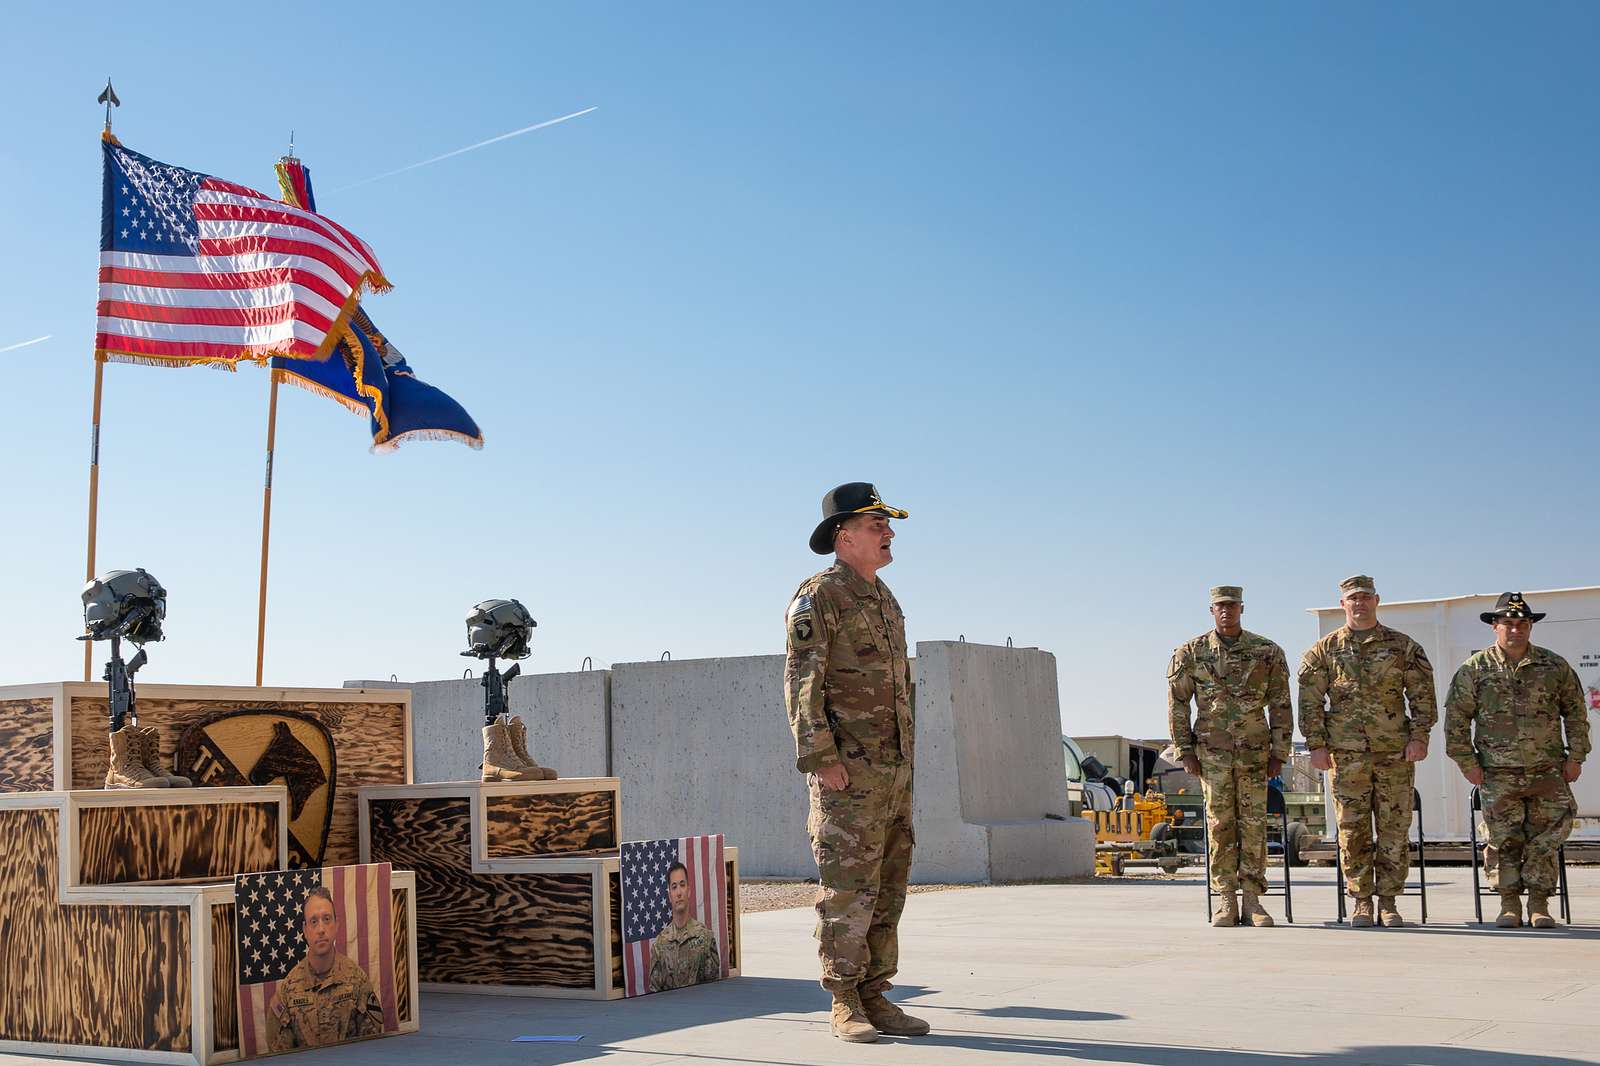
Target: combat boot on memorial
[
  {"x": 1227, "y": 912},
  {"x": 1510, "y": 910},
  {"x": 518, "y": 732},
  {"x": 889, "y": 1019},
  {"x": 849, "y": 1019},
  {"x": 149, "y": 743},
  {"x": 1254, "y": 913},
  {"x": 1362, "y": 918},
  {"x": 500, "y": 762},
  {"x": 127, "y": 770},
  {"x": 1539, "y": 910},
  {"x": 1389, "y": 914}
]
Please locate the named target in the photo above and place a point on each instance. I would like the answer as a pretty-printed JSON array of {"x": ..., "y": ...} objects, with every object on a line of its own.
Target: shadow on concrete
[
  {"x": 1044, "y": 1014},
  {"x": 1174, "y": 1055}
]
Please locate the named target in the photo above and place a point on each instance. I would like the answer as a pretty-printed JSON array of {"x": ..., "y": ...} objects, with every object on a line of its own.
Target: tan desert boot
[
  {"x": 149, "y": 742},
  {"x": 1510, "y": 911},
  {"x": 127, "y": 770},
  {"x": 519, "y": 743},
  {"x": 500, "y": 763},
  {"x": 1539, "y": 911},
  {"x": 849, "y": 1019},
  {"x": 1254, "y": 913},
  {"x": 1227, "y": 912},
  {"x": 889, "y": 1019},
  {"x": 1362, "y": 918},
  {"x": 1389, "y": 914}
]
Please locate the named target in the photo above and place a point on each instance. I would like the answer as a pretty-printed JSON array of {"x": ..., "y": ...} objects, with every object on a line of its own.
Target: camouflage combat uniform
[
  {"x": 847, "y": 685},
  {"x": 1231, "y": 682},
  {"x": 1506, "y": 717},
  {"x": 683, "y": 957},
  {"x": 1354, "y": 689},
  {"x": 323, "y": 1010}
]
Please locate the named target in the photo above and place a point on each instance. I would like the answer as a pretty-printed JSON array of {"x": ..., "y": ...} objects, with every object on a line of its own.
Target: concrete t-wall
[
  {"x": 703, "y": 746},
  {"x": 567, "y": 715}
]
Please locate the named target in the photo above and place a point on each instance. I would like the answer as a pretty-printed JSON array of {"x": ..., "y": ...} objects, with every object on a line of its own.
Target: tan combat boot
[
  {"x": 127, "y": 770},
  {"x": 1362, "y": 918},
  {"x": 1254, "y": 913},
  {"x": 1539, "y": 910},
  {"x": 1510, "y": 911},
  {"x": 149, "y": 742},
  {"x": 849, "y": 1019},
  {"x": 500, "y": 762},
  {"x": 1227, "y": 912},
  {"x": 1389, "y": 914},
  {"x": 889, "y": 1019},
  {"x": 519, "y": 744}
]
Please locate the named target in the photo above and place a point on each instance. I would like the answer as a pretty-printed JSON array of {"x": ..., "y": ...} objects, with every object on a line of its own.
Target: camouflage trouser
[
  {"x": 1373, "y": 789},
  {"x": 1236, "y": 818},
  {"x": 861, "y": 838},
  {"x": 1528, "y": 814}
]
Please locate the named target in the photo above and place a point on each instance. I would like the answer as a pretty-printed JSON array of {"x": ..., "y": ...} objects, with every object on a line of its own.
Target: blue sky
[{"x": 1119, "y": 301}]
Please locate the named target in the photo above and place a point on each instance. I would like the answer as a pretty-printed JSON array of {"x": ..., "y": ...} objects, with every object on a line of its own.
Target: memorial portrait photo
[
  {"x": 674, "y": 913},
  {"x": 316, "y": 957}
]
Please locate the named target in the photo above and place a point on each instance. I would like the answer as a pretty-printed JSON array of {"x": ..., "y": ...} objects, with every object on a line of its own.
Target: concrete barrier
[
  {"x": 703, "y": 746},
  {"x": 991, "y": 790},
  {"x": 568, "y": 719}
]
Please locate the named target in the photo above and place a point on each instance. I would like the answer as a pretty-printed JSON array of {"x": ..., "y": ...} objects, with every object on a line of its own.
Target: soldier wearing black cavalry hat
[
  {"x": 1503, "y": 722},
  {"x": 847, "y": 684}
]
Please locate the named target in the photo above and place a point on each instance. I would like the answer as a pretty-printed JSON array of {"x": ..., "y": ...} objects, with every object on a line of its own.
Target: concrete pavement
[{"x": 1099, "y": 972}]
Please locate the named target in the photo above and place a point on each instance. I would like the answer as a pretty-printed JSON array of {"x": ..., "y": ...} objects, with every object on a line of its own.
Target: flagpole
[
  {"x": 266, "y": 528},
  {"x": 108, "y": 96},
  {"x": 94, "y": 495}
]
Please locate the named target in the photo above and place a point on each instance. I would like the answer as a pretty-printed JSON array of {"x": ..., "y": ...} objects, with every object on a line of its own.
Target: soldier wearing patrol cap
[
  {"x": 1356, "y": 685},
  {"x": 1503, "y": 721},
  {"x": 1240, "y": 737},
  {"x": 847, "y": 685}
]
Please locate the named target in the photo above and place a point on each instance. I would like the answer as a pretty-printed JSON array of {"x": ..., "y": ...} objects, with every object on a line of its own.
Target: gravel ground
[{"x": 780, "y": 895}]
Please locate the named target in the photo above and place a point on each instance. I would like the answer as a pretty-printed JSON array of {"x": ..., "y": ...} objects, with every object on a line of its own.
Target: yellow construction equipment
[{"x": 1142, "y": 829}]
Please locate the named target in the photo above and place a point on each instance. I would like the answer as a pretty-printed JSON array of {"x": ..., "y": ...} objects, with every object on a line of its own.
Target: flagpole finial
[
  {"x": 291, "y": 144},
  {"x": 108, "y": 96}
]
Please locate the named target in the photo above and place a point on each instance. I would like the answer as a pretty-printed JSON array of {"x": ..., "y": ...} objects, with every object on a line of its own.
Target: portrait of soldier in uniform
[
  {"x": 685, "y": 951},
  {"x": 326, "y": 998}
]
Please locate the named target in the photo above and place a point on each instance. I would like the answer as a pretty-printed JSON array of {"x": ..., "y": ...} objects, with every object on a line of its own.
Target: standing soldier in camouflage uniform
[
  {"x": 1355, "y": 685},
  {"x": 1232, "y": 747},
  {"x": 1519, "y": 695},
  {"x": 684, "y": 952},
  {"x": 847, "y": 684}
]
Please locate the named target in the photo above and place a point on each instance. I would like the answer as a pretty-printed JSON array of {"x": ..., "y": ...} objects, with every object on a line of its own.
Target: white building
[{"x": 1449, "y": 630}]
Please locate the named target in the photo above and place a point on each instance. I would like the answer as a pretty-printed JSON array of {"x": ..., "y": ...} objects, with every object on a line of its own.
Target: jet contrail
[
  {"x": 468, "y": 148},
  {"x": 24, "y": 344}
]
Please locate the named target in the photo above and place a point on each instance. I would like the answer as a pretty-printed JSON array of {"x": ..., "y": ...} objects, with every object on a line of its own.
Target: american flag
[
  {"x": 270, "y": 938},
  {"x": 646, "y": 910},
  {"x": 194, "y": 269}
]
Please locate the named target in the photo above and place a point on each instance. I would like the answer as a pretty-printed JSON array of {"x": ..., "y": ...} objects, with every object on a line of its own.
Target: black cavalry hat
[
  {"x": 852, "y": 498},
  {"x": 1511, "y": 605}
]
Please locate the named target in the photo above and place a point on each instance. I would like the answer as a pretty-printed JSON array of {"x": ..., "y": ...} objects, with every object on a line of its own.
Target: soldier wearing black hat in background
[
  {"x": 1503, "y": 723},
  {"x": 847, "y": 685}
]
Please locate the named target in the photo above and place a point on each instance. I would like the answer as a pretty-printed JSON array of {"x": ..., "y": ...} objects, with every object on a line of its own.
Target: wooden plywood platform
[
  {"x": 120, "y": 940},
  {"x": 322, "y": 744},
  {"x": 517, "y": 882}
]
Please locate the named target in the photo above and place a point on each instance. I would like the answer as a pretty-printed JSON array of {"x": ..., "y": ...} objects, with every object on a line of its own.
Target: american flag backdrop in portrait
[
  {"x": 646, "y": 910},
  {"x": 198, "y": 270},
  {"x": 270, "y": 937}
]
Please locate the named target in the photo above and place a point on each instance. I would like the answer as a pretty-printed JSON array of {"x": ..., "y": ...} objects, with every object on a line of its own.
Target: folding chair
[
  {"x": 1479, "y": 855},
  {"x": 1422, "y": 863},
  {"x": 1275, "y": 805}
]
